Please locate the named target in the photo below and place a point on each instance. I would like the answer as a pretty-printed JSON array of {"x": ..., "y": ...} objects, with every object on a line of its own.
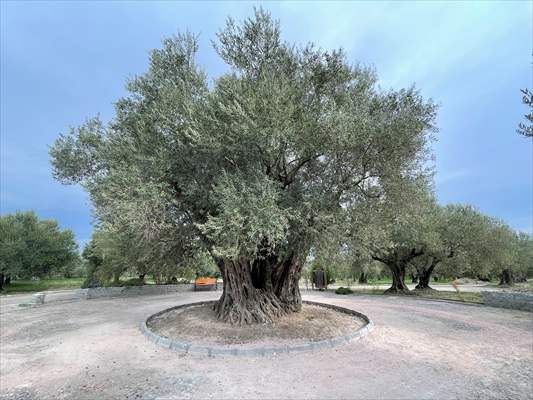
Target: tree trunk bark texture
[
  {"x": 424, "y": 277},
  {"x": 363, "y": 278},
  {"x": 397, "y": 262},
  {"x": 506, "y": 278},
  {"x": 258, "y": 291},
  {"x": 398, "y": 279}
]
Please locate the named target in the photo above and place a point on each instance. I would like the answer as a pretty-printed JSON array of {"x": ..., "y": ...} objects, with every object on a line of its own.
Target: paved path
[
  {"x": 10, "y": 302},
  {"x": 419, "y": 349}
]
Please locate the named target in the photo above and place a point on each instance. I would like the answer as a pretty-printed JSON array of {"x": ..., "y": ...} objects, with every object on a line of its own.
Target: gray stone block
[
  {"x": 176, "y": 346},
  {"x": 200, "y": 350},
  {"x": 221, "y": 352},
  {"x": 163, "y": 342},
  {"x": 38, "y": 298},
  {"x": 300, "y": 348},
  {"x": 322, "y": 344},
  {"x": 268, "y": 351}
]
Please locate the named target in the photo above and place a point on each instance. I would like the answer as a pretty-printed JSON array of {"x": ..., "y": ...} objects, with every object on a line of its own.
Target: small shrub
[{"x": 344, "y": 290}]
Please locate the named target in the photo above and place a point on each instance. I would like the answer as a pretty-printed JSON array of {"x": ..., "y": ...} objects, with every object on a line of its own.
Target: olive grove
[{"x": 414, "y": 233}]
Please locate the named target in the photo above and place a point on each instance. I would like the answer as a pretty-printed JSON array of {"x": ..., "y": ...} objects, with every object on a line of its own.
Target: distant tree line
[
  {"x": 420, "y": 239},
  {"x": 34, "y": 248}
]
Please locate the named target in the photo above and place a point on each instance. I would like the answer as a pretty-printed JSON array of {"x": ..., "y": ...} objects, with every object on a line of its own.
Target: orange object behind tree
[{"x": 203, "y": 283}]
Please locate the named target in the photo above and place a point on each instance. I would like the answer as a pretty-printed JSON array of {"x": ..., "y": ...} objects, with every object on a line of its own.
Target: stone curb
[
  {"x": 512, "y": 300},
  {"x": 188, "y": 348}
]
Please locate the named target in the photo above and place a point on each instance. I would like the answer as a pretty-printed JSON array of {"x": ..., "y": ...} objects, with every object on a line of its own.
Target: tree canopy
[{"x": 30, "y": 247}]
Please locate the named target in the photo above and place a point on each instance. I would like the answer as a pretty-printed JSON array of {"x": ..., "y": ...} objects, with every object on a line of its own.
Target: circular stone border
[{"x": 189, "y": 348}]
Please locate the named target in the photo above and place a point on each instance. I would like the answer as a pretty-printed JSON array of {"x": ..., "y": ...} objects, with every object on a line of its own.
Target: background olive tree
[
  {"x": 112, "y": 255},
  {"x": 413, "y": 233},
  {"x": 30, "y": 247}
]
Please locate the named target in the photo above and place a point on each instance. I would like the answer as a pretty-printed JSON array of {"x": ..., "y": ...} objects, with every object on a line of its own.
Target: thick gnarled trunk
[
  {"x": 398, "y": 279},
  {"x": 258, "y": 291},
  {"x": 425, "y": 272},
  {"x": 506, "y": 278},
  {"x": 286, "y": 277},
  {"x": 424, "y": 277},
  {"x": 397, "y": 261}
]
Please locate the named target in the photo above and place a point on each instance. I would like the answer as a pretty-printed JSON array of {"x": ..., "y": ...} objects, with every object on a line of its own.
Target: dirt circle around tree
[{"x": 194, "y": 328}]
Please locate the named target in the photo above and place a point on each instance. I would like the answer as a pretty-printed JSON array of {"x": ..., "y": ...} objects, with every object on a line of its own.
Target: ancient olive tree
[
  {"x": 255, "y": 167},
  {"x": 482, "y": 247},
  {"x": 397, "y": 231},
  {"x": 454, "y": 233}
]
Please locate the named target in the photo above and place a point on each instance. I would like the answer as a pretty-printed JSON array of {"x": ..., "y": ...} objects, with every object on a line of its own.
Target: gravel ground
[{"x": 418, "y": 349}]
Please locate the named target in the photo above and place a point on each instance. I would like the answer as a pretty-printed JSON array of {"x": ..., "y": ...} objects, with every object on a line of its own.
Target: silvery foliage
[
  {"x": 526, "y": 129},
  {"x": 273, "y": 154}
]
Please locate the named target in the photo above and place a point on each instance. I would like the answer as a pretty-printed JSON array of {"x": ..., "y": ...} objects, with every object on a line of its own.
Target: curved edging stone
[{"x": 186, "y": 347}]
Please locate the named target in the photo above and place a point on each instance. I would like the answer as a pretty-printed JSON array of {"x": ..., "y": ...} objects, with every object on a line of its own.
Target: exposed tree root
[
  {"x": 395, "y": 290},
  {"x": 424, "y": 289}
]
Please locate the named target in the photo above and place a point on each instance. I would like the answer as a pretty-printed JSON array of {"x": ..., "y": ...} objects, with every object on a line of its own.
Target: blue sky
[{"x": 62, "y": 62}]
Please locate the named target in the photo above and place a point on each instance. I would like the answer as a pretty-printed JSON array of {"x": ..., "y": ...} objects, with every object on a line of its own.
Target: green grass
[
  {"x": 29, "y": 286},
  {"x": 525, "y": 286},
  {"x": 467, "y": 297},
  {"x": 386, "y": 281}
]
